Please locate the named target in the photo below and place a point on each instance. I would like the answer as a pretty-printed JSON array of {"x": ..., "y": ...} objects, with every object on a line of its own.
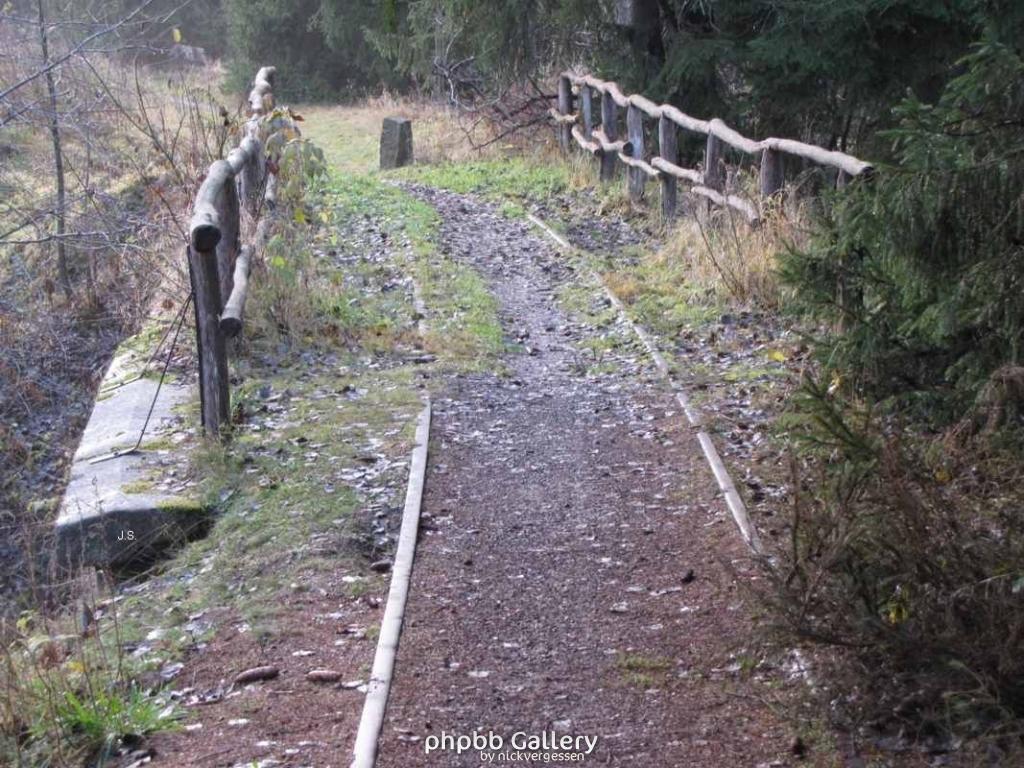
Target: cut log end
[
  {"x": 205, "y": 237},
  {"x": 230, "y": 326}
]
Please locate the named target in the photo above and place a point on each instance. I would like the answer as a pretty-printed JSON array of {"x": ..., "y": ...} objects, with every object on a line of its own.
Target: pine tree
[{"x": 931, "y": 253}]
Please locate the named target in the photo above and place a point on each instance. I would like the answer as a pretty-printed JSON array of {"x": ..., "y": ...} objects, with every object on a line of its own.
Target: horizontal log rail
[
  {"x": 735, "y": 202},
  {"x": 231, "y": 318},
  {"x": 558, "y": 117},
  {"x": 219, "y": 265},
  {"x": 608, "y": 145},
  {"x": 602, "y": 86},
  {"x": 684, "y": 174},
  {"x": 715, "y": 127},
  {"x": 640, "y": 165},
  {"x": 261, "y": 97},
  {"x": 601, "y": 139},
  {"x": 589, "y": 145}
]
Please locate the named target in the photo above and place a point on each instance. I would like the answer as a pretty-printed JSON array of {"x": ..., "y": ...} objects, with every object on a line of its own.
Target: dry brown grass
[
  {"x": 625, "y": 286},
  {"x": 723, "y": 254}
]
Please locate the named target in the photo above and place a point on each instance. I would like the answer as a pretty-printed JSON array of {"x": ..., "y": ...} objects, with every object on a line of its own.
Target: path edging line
[
  {"x": 372, "y": 720},
  {"x": 725, "y": 484}
]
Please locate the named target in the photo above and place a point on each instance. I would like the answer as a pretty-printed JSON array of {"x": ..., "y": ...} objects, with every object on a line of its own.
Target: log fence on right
[{"x": 598, "y": 134}]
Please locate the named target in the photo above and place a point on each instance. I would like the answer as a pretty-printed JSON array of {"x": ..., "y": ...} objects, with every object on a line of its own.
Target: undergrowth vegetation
[
  {"x": 907, "y": 545},
  {"x": 132, "y": 142},
  {"x": 906, "y": 553},
  {"x": 67, "y": 697},
  {"x": 66, "y": 299},
  {"x": 699, "y": 268},
  {"x": 924, "y": 267}
]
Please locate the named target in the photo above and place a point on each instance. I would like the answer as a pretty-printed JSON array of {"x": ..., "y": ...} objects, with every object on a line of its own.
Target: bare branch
[{"x": 75, "y": 50}]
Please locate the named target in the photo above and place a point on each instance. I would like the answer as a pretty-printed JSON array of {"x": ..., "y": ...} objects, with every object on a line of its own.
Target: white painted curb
[
  {"x": 707, "y": 446},
  {"x": 372, "y": 720}
]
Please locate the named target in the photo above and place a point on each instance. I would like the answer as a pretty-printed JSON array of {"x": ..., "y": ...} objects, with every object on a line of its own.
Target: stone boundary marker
[
  {"x": 395, "y": 142},
  {"x": 116, "y": 509}
]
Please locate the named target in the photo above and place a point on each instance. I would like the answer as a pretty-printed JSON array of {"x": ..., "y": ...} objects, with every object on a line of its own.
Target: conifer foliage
[{"x": 925, "y": 263}]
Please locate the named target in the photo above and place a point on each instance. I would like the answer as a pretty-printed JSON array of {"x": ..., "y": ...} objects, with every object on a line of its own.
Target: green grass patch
[
  {"x": 181, "y": 504},
  {"x": 743, "y": 373},
  {"x": 642, "y": 671},
  {"x": 102, "y": 718},
  {"x": 137, "y": 487},
  {"x": 158, "y": 444},
  {"x": 659, "y": 294},
  {"x": 75, "y": 695},
  {"x": 348, "y": 136},
  {"x": 522, "y": 179},
  {"x": 462, "y": 313}
]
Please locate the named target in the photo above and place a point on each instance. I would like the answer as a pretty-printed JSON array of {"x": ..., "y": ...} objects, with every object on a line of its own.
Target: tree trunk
[
  {"x": 641, "y": 20},
  {"x": 439, "y": 52},
  {"x": 58, "y": 157},
  {"x": 668, "y": 149}
]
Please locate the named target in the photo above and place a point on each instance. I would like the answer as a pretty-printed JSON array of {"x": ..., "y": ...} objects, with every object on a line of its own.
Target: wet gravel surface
[
  {"x": 587, "y": 227},
  {"x": 577, "y": 573},
  {"x": 739, "y": 369},
  {"x": 742, "y": 370}
]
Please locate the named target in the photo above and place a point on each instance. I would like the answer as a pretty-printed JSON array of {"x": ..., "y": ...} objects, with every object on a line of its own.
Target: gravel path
[{"x": 577, "y": 573}]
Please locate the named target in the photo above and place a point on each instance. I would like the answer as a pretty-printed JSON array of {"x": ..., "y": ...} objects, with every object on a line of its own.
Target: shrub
[
  {"x": 74, "y": 698},
  {"x": 907, "y": 543},
  {"x": 909, "y": 556}
]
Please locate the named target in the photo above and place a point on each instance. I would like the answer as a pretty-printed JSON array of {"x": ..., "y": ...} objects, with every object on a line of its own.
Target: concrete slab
[
  {"x": 118, "y": 415},
  {"x": 114, "y": 510}
]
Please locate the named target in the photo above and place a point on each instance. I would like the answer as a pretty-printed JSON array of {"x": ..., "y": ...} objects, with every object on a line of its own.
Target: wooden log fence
[
  {"x": 661, "y": 161},
  {"x": 219, "y": 264}
]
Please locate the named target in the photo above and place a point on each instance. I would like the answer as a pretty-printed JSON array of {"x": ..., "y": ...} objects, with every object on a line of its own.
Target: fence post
[
  {"x": 213, "y": 361},
  {"x": 668, "y": 149},
  {"x": 610, "y": 128},
  {"x": 635, "y": 132},
  {"x": 213, "y": 237},
  {"x": 714, "y": 172},
  {"x": 565, "y": 108},
  {"x": 249, "y": 180},
  {"x": 772, "y": 176},
  {"x": 213, "y": 253},
  {"x": 587, "y": 108},
  {"x": 227, "y": 248},
  {"x": 714, "y": 169}
]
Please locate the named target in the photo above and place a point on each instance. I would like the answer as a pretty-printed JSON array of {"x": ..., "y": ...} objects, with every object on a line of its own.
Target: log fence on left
[{"x": 218, "y": 263}]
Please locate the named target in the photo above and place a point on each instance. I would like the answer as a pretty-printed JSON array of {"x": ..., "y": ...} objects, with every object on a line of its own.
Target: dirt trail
[{"x": 577, "y": 572}]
